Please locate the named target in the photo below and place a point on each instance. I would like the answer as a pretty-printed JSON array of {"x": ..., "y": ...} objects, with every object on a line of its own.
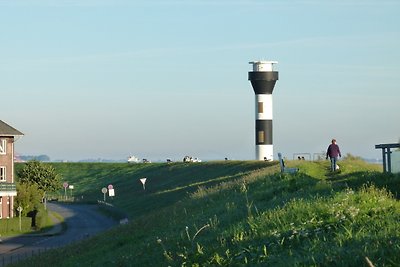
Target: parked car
[{"x": 191, "y": 159}]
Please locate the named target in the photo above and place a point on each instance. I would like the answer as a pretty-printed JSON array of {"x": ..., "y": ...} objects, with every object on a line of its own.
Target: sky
[{"x": 165, "y": 79}]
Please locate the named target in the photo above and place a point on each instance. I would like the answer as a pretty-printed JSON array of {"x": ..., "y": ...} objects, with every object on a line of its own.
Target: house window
[
  {"x": 260, "y": 107},
  {"x": 3, "y": 145},
  {"x": 2, "y": 173}
]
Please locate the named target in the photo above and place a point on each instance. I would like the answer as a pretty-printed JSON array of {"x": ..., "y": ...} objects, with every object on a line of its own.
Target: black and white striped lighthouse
[{"x": 263, "y": 79}]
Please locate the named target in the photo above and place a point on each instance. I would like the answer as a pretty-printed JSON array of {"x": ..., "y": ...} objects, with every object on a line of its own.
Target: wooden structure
[{"x": 386, "y": 158}]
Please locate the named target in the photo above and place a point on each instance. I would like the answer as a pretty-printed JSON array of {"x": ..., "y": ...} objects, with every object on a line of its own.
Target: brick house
[{"x": 7, "y": 185}]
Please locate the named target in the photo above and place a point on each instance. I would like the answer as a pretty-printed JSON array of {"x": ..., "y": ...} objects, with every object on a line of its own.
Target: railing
[
  {"x": 7, "y": 187},
  {"x": 386, "y": 155},
  {"x": 19, "y": 255}
]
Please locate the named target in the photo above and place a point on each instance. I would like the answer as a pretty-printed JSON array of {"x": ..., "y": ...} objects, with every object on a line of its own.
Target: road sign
[
  {"x": 111, "y": 192},
  {"x": 143, "y": 180},
  {"x": 104, "y": 191},
  {"x": 65, "y": 185},
  {"x": 110, "y": 186}
]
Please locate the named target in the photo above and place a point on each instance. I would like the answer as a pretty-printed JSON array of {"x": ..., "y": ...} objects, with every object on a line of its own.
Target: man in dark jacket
[{"x": 333, "y": 153}]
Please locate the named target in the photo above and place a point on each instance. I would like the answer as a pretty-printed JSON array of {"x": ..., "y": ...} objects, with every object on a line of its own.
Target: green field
[{"x": 234, "y": 213}]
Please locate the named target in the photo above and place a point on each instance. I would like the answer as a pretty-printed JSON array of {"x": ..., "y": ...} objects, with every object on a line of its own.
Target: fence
[
  {"x": 307, "y": 156},
  {"x": 11, "y": 187},
  {"x": 18, "y": 256}
]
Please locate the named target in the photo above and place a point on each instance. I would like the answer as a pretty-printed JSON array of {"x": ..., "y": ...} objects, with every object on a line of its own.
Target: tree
[
  {"x": 43, "y": 175},
  {"x": 28, "y": 197}
]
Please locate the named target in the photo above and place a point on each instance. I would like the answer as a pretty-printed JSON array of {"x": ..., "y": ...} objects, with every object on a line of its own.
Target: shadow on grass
[{"x": 356, "y": 180}]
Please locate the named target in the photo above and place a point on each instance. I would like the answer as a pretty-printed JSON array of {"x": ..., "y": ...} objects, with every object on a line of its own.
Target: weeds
[{"x": 300, "y": 230}]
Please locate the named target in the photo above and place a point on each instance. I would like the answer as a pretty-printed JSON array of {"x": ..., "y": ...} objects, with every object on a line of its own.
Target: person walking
[{"x": 333, "y": 153}]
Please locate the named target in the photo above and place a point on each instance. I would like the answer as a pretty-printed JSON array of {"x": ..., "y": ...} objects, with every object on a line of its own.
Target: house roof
[{"x": 7, "y": 130}]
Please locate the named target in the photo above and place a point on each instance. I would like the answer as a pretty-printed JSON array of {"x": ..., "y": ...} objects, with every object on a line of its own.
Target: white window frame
[
  {"x": 3, "y": 176},
  {"x": 3, "y": 146}
]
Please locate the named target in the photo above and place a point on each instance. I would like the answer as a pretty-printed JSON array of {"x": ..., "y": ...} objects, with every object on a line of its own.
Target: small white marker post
[
  {"x": 143, "y": 180},
  {"x": 104, "y": 191},
  {"x": 19, "y": 210}
]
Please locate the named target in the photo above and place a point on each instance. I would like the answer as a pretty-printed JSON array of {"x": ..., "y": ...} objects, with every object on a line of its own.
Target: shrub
[{"x": 41, "y": 218}]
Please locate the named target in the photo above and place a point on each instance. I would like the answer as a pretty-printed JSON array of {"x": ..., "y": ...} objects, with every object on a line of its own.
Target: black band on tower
[
  {"x": 263, "y": 132},
  {"x": 263, "y": 82}
]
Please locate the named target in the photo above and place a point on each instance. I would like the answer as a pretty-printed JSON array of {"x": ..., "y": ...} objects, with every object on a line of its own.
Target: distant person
[{"x": 333, "y": 153}]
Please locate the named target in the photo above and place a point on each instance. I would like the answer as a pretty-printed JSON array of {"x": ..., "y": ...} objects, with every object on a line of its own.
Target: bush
[
  {"x": 41, "y": 219},
  {"x": 28, "y": 197}
]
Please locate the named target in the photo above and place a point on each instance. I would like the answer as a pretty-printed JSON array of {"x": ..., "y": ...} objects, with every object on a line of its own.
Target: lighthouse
[{"x": 263, "y": 79}]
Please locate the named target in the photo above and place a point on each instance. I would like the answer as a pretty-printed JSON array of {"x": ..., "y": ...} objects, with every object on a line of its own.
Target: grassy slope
[
  {"x": 232, "y": 213},
  {"x": 165, "y": 184}
]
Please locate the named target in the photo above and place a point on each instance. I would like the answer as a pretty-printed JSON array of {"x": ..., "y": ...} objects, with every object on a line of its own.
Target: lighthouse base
[{"x": 264, "y": 152}]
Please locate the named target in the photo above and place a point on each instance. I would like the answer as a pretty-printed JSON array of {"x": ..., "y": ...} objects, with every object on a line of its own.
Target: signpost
[
  {"x": 65, "y": 185},
  {"x": 71, "y": 187},
  {"x": 19, "y": 210},
  {"x": 45, "y": 200},
  {"x": 143, "y": 180},
  {"x": 104, "y": 191}
]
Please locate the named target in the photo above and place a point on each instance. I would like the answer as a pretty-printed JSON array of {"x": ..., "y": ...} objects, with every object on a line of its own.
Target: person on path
[{"x": 333, "y": 153}]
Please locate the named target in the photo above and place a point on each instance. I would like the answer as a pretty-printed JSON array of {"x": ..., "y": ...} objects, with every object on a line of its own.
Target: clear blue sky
[{"x": 164, "y": 79}]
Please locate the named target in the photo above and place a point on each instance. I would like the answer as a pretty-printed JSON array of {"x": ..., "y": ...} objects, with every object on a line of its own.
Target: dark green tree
[{"x": 43, "y": 175}]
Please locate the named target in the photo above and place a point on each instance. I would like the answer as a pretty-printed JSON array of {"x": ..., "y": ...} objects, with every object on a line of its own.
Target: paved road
[{"x": 82, "y": 222}]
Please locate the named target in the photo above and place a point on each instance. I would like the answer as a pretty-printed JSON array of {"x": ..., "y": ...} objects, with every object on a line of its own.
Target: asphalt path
[{"x": 82, "y": 222}]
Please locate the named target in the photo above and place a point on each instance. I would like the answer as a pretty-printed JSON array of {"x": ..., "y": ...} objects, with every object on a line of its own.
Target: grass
[
  {"x": 11, "y": 226},
  {"x": 165, "y": 184},
  {"x": 241, "y": 213}
]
